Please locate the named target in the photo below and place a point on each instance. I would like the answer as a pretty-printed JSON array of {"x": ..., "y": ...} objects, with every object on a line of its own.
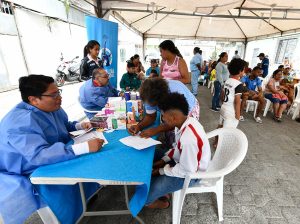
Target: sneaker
[
  {"x": 218, "y": 107},
  {"x": 278, "y": 119},
  {"x": 242, "y": 118},
  {"x": 215, "y": 109},
  {"x": 258, "y": 120}
]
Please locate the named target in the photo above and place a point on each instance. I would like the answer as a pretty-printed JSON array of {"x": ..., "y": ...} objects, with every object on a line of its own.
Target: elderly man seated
[
  {"x": 94, "y": 92},
  {"x": 34, "y": 133},
  {"x": 253, "y": 85}
]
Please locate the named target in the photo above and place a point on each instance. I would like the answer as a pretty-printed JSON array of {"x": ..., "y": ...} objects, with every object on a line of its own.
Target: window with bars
[
  {"x": 5, "y": 7},
  {"x": 285, "y": 50}
]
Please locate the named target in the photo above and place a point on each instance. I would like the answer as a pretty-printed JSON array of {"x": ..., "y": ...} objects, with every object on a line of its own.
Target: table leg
[
  {"x": 105, "y": 213},
  {"x": 127, "y": 204}
]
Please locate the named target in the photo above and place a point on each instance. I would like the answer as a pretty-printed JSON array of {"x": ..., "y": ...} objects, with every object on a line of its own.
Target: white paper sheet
[
  {"x": 139, "y": 143},
  {"x": 88, "y": 136}
]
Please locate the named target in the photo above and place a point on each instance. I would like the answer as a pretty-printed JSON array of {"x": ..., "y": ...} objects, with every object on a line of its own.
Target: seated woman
[
  {"x": 94, "y": 93},
  {"x": 274, "y": 93},
  {"x": 33, "y": 134},
  {"x": 154, "y": 66},
  {"x": 130, "y": 80},
  {"x": 152, "y": 93},
  {"x": 173, "y": 66},
  {"x": 139, "y": 68}
]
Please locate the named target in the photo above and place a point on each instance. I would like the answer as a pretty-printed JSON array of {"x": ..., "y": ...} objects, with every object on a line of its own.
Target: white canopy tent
[{"x": 226, "y": 20}]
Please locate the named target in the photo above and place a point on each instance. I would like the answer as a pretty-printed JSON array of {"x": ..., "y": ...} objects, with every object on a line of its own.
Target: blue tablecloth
[{"x": 114, "y": 162}]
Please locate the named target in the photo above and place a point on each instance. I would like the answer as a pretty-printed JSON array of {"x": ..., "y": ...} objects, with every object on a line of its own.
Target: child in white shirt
[
  {"x": 233, "y": 89},
  {"x": 190, "y": 152}
]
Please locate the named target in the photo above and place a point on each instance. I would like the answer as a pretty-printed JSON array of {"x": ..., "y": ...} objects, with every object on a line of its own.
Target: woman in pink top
[{"x": 173, "y": 66}]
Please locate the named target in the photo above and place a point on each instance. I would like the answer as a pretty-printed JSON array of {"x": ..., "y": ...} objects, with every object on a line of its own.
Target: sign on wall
[{"x": 106, "y": 33}]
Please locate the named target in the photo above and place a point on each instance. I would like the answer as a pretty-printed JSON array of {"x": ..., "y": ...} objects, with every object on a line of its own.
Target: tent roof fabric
[{"x": 234, "y": 20}]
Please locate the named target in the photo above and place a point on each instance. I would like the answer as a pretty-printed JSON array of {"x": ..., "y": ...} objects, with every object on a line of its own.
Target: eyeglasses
[
  {"x": 104, "y": 76},
  {"x": 54, "y": 95}
]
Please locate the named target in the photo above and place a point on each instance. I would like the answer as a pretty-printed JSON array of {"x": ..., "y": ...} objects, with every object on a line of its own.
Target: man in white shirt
[
  {"x": 190, "y": 152},
  {"x": 236, "y": 55}
]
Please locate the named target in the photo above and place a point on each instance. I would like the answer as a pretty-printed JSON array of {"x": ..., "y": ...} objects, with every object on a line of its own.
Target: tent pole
[
  {"x": 144, "y": 45},
  {"x": 245, "y": 44},
  {"x": 19, "y": 37}
]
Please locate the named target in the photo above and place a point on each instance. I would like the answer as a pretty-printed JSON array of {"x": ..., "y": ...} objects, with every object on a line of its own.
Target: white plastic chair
[
  {"x": 231, "y": 151},
  {"x": 47, "y": 216},
  {"x": 88, "y": 111},
  {"x": 267, "y": 107},
  {"x": 251, "y": 103},
  {"x": 209, "y": 84},
  {"x": 295, "y": 107}
]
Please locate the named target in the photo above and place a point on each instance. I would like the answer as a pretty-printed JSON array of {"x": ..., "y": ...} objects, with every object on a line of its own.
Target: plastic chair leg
[
  {"x": 47, "y": 216},
  {"x": 247, "y": 107},
  {"x": 219, "y": 193},
  {"x": 268, "y": 104},
  {"x": 255, "y": 109},
  {"x": 296, "y": 111},
  {"x": 176, "y": 208}
]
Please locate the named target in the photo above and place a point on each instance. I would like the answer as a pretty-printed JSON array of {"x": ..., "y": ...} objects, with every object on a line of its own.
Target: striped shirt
[{"x": 191, "y": 150}]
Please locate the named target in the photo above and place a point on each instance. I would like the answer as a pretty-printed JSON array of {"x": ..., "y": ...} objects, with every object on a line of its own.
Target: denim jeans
[
  {"x": 162, "y": 185},
  {"x": 194, "y": 81},
  {"x": 216, "y": 97}
]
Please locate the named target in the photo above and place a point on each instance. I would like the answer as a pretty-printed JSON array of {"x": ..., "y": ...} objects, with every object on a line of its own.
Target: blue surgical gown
[
  {"x": 29, "y": 138},
  {"x": 93, "y": 97}
]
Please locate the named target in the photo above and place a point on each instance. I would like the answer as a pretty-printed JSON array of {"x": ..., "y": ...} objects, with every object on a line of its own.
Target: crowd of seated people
[{"x": 278, "y": 87}]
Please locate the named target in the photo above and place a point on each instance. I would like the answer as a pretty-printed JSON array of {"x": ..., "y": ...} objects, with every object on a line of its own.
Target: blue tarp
[{"x": 114, "y": 162}]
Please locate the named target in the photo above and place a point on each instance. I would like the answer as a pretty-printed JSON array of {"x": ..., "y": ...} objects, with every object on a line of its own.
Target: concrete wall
[
  {"x": 270, "y": 47},
  {"x": 44, "y": 36}
]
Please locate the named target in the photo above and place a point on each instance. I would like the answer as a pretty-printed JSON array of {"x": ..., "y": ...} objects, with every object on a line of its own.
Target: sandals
[{"x": 278, "y": 119}]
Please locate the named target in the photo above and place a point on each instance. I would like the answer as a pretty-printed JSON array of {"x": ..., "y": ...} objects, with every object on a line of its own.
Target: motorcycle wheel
[
  {"x": 60, "y": 80},
  {"x": 80, "y": 79}
]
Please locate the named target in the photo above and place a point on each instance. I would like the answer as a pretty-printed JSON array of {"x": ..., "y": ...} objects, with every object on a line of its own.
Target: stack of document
[
  {"x": 86, "y": 135},
  {"x": 139, "y": 143}
]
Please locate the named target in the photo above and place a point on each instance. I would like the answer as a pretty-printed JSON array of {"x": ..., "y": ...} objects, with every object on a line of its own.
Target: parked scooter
[{"x": 68, "y": 71}]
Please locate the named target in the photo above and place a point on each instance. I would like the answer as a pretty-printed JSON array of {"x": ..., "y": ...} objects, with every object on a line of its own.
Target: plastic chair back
[{"x": 231, "y": 150}]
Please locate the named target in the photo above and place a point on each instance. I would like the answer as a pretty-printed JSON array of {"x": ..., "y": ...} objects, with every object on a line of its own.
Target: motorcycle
[{"x": 68, "y": 71}]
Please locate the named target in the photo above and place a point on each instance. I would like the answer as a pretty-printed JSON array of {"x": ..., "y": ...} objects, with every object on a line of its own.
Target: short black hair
[
  {"x": 197, "y": 49},
  {"x": 34, "y": 85},
  {"x": 174, "y": 101},
  {"x": 280, "y": 66},
  {"x": 256, "y": 68},
  {"x": 236, "y": 66},
  {"x": 153, "y": 90},
  {"x": 130, "y": 64},
  {"x": 276, "y": 72}
]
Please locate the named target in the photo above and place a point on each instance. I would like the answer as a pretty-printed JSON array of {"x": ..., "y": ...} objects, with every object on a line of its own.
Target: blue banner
[{"x": 106, "y": 33}]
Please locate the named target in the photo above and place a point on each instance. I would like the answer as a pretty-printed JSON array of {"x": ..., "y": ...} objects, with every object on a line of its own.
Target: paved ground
[{"x": 265, "y": 189}]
